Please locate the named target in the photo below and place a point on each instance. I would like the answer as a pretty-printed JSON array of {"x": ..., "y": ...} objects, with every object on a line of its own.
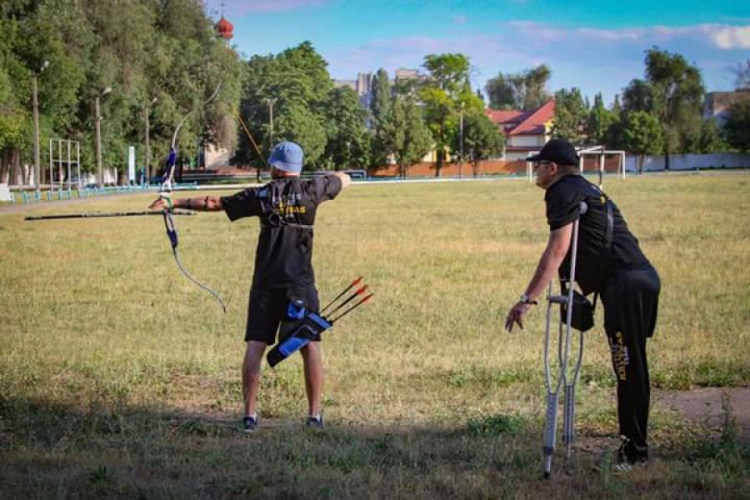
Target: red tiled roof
[
  {"x": 502, "y": 116},
  {"x": 516, "y": 122}
]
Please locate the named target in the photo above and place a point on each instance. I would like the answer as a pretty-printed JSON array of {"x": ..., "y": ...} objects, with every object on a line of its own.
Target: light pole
[
  {"x": 461, "y": 142},
  {"x": 270, "y": 101},
  {"x": 98, "y": 119},
  {"x": 35, "y": 104},
  {"x": 148, "y": 133}
]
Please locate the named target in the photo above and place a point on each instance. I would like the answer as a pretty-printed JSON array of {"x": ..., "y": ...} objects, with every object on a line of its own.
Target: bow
[{"x": 165, "y": 193}]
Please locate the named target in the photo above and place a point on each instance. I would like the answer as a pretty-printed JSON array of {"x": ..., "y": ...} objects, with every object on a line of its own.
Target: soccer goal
[
  {"x": 64, "y": 154},
  {"x": 601, "y": 155}
]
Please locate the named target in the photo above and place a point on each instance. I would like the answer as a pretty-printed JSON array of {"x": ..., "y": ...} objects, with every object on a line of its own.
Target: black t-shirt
[
  {"x": 286, "y": 208},
  {"x": 595, "y": 263}
]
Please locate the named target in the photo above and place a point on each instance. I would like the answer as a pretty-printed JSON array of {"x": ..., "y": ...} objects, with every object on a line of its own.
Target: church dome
[{"x": 224, "y": 28}]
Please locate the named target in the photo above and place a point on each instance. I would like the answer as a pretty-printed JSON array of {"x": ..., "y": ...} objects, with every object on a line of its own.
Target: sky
[{"x": 595, "y": 46}]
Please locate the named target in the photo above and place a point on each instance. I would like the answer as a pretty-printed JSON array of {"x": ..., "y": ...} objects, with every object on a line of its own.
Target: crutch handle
[{"x": 558, "y": 299}]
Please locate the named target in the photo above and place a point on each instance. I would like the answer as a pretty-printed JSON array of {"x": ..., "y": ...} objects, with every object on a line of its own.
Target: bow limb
[
  {"x": 166, "y": 186},
  {"x": 165, "y": 192}
]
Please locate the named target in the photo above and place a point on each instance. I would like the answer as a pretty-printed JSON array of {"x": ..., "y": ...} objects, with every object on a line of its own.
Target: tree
[
  {"x": 482, "y": 138},
  {"x": 381, "y": 97},
  {"x": 616, "y": 106},
  {"x": 737, "y": 126},
  {"x": 446, "y": 87},
  {"x": 381, "y": 111},
  {"x": 348, "y": 141},
  {"x": 599, "y": 120},
  {"x": 410, "y": 138},
  {"x": 641, "y": 135},
  {"x": 678, "y": 97},
  {"x": 501, "y": 92},
  {"x": 448, "y": 72},
  {"x": 298, "y": 123},
  {"x": 711, "y": 140},
  {"x": 638, "y": 96},
  {"x": 525, "y": 90},
  {"x": 172, "y": 55},
  {"x": 570, "y": 115},
  {"x": 299, "y": 84}
]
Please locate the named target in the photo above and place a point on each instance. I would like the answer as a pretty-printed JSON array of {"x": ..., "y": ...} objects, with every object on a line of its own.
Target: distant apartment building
[
  {"x": 362, "y": 86},
  {"x": 717, "y": 104},
  {"x": 525, "y": 131}
]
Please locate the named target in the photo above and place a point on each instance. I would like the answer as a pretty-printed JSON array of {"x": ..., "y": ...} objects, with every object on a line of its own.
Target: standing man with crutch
[{"x": 627, "y": 282}]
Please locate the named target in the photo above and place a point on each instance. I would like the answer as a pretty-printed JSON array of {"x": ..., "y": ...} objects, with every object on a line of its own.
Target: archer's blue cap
[{"x": 287, "y": 156}]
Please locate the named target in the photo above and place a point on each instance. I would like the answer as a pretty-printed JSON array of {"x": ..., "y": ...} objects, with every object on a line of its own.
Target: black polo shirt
[
  {"x": 595, "y": 263},
  {"x": 286, "y": 208}
]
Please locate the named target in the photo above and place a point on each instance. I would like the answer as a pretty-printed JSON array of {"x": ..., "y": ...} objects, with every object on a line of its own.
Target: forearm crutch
[{"x": 563, "y": 348}]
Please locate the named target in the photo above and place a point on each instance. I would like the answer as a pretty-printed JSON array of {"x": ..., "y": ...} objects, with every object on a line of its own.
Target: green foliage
[
  {"x": 297, "y": 82},
  {"x": 638, "y": 96},
  {"x": 737, "y": 126},
  {"x": 677, "y": 98},
  {"x": 381, "y": 114},
  {"x": 449, "y": 72},
  {"x": 139, "y": 48},
  {"x": 298, "y": 123},
  {"x": 641, "y": 134},
  {"x": 599, "y": 121},
  {"x": 348, "y": 141},
  {"x": 442, "y": 94},
  {"x": 410, "y": 139},
  {"x": 524, "y": 91},
  {"x": 495, "y": 425},
  {"x": 728, "y": 456},
  {"x": 381, "y": 97},
  {"x": 711, "y": 140},
  {"x": 482, "y": 138},
  {"x": 570, "y": 115}
]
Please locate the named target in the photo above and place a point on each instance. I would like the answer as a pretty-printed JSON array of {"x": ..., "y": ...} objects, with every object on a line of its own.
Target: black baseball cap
[{"x": 559, "y": 151}]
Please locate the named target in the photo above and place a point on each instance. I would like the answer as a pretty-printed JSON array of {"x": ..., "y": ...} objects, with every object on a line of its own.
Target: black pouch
[{"x": 582, "y": 318}]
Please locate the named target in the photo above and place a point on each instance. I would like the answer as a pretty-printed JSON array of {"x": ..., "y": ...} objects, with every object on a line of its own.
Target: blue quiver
[{"x": 300, "y": 327}]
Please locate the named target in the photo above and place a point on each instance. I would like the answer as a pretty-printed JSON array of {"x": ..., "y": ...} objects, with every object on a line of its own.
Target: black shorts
[{"x": 267, "y": 308}]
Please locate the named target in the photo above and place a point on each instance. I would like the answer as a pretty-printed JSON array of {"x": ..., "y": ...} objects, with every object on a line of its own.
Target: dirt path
[{"x": 704, "y": 406}]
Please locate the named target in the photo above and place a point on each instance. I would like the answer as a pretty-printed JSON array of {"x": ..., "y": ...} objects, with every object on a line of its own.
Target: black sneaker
[
  {"x": 249, "y": 424},
  {"x": 625, "y": 465},
  {"x": 315, "y": 422},
  {"x": 628, "y": 459}
]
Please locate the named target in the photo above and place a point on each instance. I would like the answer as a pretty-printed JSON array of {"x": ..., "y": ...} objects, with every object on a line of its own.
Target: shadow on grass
[{"x": 54, "y": 450}]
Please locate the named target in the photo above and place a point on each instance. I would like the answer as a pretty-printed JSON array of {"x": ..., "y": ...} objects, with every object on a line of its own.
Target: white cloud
[
  {"x": 722, "y": 36},
  {"x": 521, "y": 44},
  {"x": 733, "y": 37}
]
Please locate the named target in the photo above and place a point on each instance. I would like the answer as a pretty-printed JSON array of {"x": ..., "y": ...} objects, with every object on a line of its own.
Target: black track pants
[{"x": 631, "y": 302}]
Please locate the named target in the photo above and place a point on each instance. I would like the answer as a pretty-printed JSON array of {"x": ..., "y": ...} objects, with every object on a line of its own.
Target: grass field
[{"x": 119, "y": 378}]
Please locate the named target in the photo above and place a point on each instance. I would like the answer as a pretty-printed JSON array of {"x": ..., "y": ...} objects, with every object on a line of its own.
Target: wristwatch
[{"x": 525, "y": 299}]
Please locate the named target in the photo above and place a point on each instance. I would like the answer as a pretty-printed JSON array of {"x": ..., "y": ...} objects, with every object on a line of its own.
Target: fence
[{"x": 690, "y": 162}]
